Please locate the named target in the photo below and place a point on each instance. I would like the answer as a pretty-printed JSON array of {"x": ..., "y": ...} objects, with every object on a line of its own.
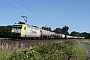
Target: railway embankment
[{"x": 56, "y": 50}]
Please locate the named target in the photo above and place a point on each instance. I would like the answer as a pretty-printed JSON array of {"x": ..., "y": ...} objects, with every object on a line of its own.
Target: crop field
[{"x": 43, "y": 50}]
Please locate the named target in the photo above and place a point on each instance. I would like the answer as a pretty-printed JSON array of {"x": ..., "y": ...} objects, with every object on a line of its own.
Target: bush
[
  {"x": 49, "y": 51},
  {"x": 26, "y": 54}
]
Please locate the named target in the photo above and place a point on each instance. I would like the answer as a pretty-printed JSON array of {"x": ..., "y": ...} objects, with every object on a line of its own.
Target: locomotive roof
[
  {"x": 19, "y": 24},
  {"x": 26, "y": 24}
]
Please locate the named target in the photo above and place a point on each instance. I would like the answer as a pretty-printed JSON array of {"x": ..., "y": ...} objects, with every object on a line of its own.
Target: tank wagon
[{"x": 25, "y": 31}]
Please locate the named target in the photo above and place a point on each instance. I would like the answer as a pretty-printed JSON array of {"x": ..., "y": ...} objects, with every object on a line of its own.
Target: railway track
[
  {"x": 21, "y": 44},
  {"x": 30, "y": 41}
]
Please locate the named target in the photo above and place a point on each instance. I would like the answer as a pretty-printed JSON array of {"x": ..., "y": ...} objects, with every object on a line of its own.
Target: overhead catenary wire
[
  {"x": 12, "y": 7},
  {"x": 32, "y": 8},
  {"x": 10, "y": 10},
  {"x": 17, "y": 9},
  {"x": 36, "y": 11},
  {"x": 28, "y": 9}
]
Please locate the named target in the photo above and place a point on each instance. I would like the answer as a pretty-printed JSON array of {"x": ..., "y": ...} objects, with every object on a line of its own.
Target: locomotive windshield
[{"x": 16, "y": 29}]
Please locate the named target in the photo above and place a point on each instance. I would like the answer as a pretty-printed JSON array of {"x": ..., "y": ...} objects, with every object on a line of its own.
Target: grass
[
  {"x": 86, "y": 41},
  {"x": 80, "y": 53},
  {"x": 4, "y": 38},
  {"x": 7, "y": 49},
  {"x": 65, "y": 50},
  {"x": 5, "y": 54}
]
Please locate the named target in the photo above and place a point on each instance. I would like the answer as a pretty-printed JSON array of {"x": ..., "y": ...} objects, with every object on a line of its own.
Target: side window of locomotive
[{"x": 24, "y": 28}]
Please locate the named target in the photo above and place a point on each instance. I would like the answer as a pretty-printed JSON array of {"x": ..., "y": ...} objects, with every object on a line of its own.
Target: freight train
[{"x": 24, "y": 31}]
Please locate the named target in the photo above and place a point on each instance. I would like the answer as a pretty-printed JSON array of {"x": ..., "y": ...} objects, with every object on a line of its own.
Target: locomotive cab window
[{"x": 17, "y": 27}]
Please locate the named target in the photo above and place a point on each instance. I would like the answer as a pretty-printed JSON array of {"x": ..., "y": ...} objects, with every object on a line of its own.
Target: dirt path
[{"x": 86, "y": 48}]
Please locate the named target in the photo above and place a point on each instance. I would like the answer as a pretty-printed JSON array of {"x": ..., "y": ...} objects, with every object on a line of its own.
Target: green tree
[
  {"x": 82, "y": 34},
  {"x": 46, "y": 28},
  {"x": 65, "y": 30},
  {"x": 85, "y": 34},
  {"x": 5, "y": 31},
  {"x": 58, "y": 30},
  {"x": 88, "y": 35},
  {"x": 74, "y": 33}
]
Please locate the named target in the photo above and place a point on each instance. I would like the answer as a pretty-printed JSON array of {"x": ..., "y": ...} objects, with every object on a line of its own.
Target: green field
[{"x": 65, "y": 50}]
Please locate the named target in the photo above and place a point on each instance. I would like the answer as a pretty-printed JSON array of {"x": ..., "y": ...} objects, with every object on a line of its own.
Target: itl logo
[{"x": 34, "y": 32}]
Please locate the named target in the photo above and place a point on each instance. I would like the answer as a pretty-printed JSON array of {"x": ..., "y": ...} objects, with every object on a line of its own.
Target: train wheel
[
  {"x": 29, "y": 38},
  {"x": 34, "y": 38}
]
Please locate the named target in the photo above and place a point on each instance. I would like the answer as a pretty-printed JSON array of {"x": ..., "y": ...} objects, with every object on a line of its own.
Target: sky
[{"x": 53, "y": 13}]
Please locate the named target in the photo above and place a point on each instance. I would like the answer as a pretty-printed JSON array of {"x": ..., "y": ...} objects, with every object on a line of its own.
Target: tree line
[
  {"x": 5, "y": 31},
  {"x": 65, "y": 29},
  {"x": 82, "y": 34}
]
